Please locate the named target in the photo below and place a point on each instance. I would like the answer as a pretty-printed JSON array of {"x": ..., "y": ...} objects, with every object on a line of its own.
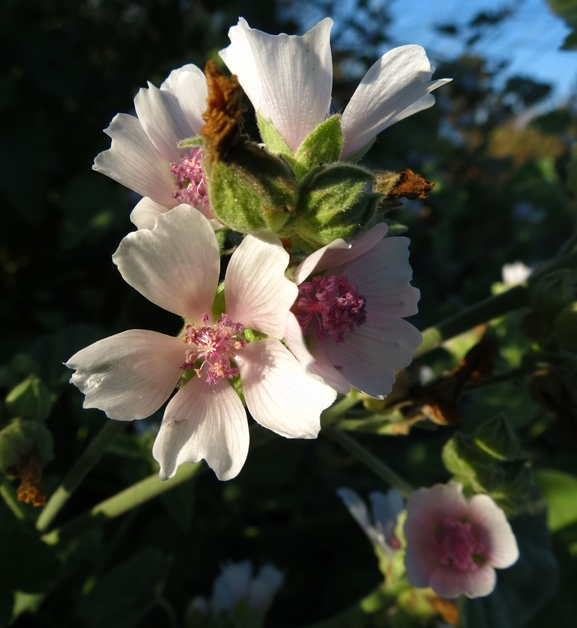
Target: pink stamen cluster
[
  {"x": 335, "y": 302},
  {"x": 455, "y": 544},
  {"x": 215, "y": 346},
  {"x": 190, "y": 180}
]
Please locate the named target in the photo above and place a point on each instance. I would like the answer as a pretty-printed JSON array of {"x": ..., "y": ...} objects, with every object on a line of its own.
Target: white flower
[
  {"x": 351, "y": 315},
  {"x": 130, "y": 375},
  {"x": 515, "y": 274},
  {"x": 380, "y": 528},
  {"x": 235, "y": 583},
  {"x": 144, "y": 155},
  {"x": 289, "y": 81}
]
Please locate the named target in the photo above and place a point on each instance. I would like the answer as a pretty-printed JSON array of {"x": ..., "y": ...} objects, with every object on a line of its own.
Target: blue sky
[{"x": 530, "y": 39}]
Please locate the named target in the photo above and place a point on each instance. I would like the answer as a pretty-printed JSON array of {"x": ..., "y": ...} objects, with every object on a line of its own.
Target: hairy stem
[
  {"x": 81, "y": 468},
  {"x": 122, "y": 502},
  {"x": 369, "y": 460}
]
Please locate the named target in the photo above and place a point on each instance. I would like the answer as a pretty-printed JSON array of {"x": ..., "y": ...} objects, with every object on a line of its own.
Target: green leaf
[
  {"x": 560, "y": 493},
  {"x": 322, "y": 146},
  {"x": 28, "y": 564},
  {"x": 20, "y": 437},
  {"x": 124, "y": 596},
  {"x": 497, "y": 438},
  {"x": 30, "y": 400}
]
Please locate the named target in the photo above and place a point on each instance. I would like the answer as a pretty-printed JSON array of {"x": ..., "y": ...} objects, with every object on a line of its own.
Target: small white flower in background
[
  {"x": 515, "y": 274},
  {"x": 455, "y": 544},
  {"x": 352, "y": 314},
  {"x": 235, "y": 583},
  {"x": 289, "y": 78},
  {"x": 144, "y": 155},
  {"x": 385, "y": 507},
  {"x": 130, "y": 375}
]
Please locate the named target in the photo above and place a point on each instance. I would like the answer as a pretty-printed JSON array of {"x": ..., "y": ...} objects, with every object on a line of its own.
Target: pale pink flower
[
  {"x": 351, "y": 315},
  {"x": 455, "y": 544},
  {"x": 144, "y": 155},
  {"x": 289, "y": 78},
  {"x": 130, "y": 375}
]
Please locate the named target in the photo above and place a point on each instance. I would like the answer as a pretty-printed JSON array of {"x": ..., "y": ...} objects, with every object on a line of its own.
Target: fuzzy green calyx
[
  {"x": 251, "y": 190},
  {"x": 323, "y": 146},
  {"x": 335, "y": 201}
]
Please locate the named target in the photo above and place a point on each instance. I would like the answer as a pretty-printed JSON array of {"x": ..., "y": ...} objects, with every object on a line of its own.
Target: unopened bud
[
  {"x": 29, "y": 400},
  {"x": 497, "y": 438}
]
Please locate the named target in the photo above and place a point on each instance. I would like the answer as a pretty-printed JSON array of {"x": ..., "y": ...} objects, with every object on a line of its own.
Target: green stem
[
  {"x": 368, "y": 459},
  {"x": 482, "y": 312},
  {"x": 9, "y": 494},
  {"x": 81, "y": 468},
  {"x": 122, "y": 502},
  {"x": 329, "y": 416}
]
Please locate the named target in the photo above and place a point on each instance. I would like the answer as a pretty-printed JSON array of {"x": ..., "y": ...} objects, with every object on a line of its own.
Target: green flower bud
[
  {"x": 335, "y": 201},
  {"x": 497, "y": 438},
  {"x": 29, "y": 400},
  {"x": 470, "y": 465},
  {"x": 553, "y": 291},
  {"x": 566, "y": 327},
  {"x": 21, "y": 437},
  {"x": 251, "y": 190}
]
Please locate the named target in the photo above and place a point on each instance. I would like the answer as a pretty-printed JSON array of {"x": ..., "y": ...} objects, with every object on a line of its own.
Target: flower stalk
[
  {"x": 82, "y": 467},
  {"x": 363, "y": 455}
]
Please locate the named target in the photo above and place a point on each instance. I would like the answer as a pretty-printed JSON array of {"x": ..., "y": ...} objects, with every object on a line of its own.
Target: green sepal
[
  {"x": 21, "y": 437},
  {"x": 237, "y": 385},
  {"x": 30, "y": 400},
  {"x": 252, "y": 190},
  {"x": 335, "y": 201},
  {"x": 273, "y": 141},
  {"x": 470, "y": 465},
  {"x": 497, "y": 438},
  {"x": 219, "y": 307},
  {"x": 251, "y": 335},
  {"x": 191, "y": 142},
  {"x": 323, "y": 146}
]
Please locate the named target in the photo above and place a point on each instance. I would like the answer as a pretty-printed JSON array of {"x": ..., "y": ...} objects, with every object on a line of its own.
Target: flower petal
[
  {"x": 257, "y": 293},
  {"x": 369, "y": 356},
  {"x": 494, "y": 531},
  {"x": 426, "y": 509},
  {"x": 176, "y": 264},
  {"x": 134, "y": 162},
  {"x": 163, "y": 121},
  {"x": 231, "y": 586},
  {"x": 203, "y": 421},
  {"x": 129, "y": 375},
  {"x": 394, "y": 83},
  {"x": 264, "y": 587},
  {"x": 145, "y": 213},
  {"x": 450, "y": 582},
  {"x": 278, "y": 392},
  {"x": 287, "y": 78},
  {"x": 339, "y": 252},
  {"x": 188, "y": 85},
  {"x": 382, "y": 277},
  {"x": 360, "y": 513}
]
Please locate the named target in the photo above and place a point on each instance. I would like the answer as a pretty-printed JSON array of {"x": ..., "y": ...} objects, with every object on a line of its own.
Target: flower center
[
  {"x": 191, "y": 186},
  {"x": 456, "y": 545},
  {"x": 335, "y": 302},
  {"x": 213, "y": 347}
]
